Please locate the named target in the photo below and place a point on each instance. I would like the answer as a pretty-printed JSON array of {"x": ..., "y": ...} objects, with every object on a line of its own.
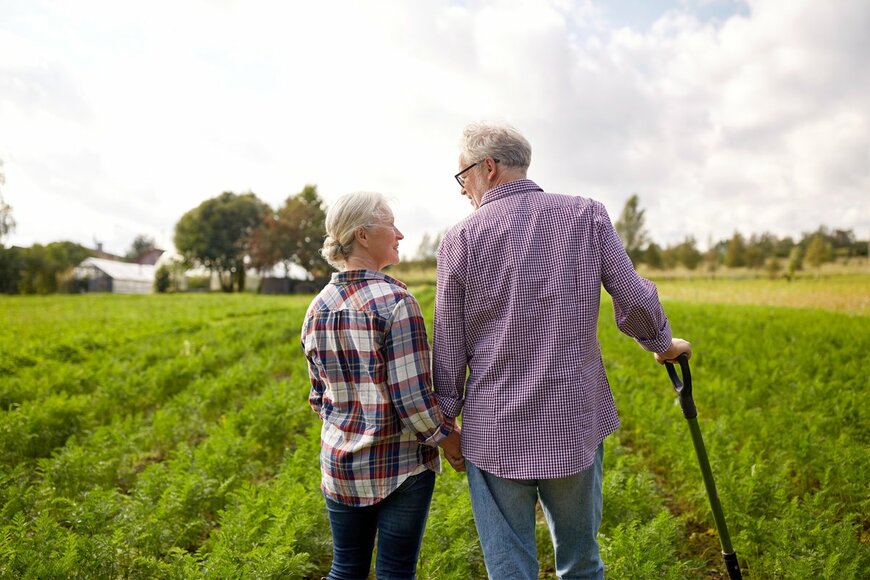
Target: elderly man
[{"x": 516, "y": 353}]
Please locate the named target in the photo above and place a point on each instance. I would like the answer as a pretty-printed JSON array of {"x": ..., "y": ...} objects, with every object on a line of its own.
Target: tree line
[
  {"x": 765, "y": 252},
  {"x": 226, "y": 235},
  {"x": 232, "y": 233}
]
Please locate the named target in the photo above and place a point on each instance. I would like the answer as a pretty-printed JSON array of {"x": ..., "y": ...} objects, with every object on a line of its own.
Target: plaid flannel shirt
[
  {"x": 516, "y": 316},
  {"x": 369, "y": 365}
]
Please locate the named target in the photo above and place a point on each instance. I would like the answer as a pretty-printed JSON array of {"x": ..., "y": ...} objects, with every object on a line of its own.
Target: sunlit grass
[
  {"x": 847, "y": 293},
  {"x": 169, "y": 436},
  {"x": 839, "y": 288}
]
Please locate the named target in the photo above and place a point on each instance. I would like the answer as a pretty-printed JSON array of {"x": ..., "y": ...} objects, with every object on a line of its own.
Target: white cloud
[{"x": 114, "y": 120}]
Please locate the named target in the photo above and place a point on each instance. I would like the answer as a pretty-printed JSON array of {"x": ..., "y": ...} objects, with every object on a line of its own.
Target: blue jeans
[
  {"x": 504, "y": 513},
  {"x": 398, "y": 521}
]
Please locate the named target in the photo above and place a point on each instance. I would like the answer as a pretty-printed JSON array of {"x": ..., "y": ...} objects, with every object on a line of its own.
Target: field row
[
  {"x": 169, "y": 436},
  {"x": 782, "y": 403}
]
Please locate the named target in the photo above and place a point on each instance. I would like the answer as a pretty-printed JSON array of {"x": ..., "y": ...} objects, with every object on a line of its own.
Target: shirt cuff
[
  {"x": 451, "y": 408},
  {"x": 660, "y": 343},
  {"x": 443, "y": 431}
]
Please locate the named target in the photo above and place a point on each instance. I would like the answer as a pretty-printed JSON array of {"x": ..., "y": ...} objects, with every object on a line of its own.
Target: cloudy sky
[{"x": 118, "y": 117}]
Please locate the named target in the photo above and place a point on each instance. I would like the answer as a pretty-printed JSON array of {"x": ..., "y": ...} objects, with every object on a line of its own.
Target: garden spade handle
[{"x": 684, "y": 391}]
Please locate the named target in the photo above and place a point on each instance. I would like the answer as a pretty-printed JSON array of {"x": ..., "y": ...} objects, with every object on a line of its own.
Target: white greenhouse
[{"x": 119, "y": 277}]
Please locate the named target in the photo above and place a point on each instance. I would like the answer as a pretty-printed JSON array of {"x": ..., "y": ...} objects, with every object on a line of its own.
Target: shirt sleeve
[
  {"x": 450, "y": 359},
  {"x": 409, "y": 377},
  {"x": 315, "y": 395},
  {"x": 636, "y": 305}
]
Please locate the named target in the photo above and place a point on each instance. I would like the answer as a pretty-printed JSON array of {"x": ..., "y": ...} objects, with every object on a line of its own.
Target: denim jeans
[
  {"x": 504, "y": 513},
  {"x": 398, "y": 521}
]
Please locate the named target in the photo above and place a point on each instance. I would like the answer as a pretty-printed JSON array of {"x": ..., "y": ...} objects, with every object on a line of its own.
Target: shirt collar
[
  {"x": 508, "y": 189},
  {"x": 351, "y": 276}
]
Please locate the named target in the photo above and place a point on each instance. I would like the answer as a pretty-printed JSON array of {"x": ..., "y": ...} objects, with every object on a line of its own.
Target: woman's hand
[{"x": 453, "y": 450}]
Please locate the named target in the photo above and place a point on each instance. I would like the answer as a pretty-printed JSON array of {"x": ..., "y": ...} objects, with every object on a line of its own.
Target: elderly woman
[{"x": 368, "y": 359}]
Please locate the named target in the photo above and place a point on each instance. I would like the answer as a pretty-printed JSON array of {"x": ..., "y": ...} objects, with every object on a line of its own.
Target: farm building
[
  {"x": 151, "y": 256},
  {"x": 101, "y": 275},
  {"x": 283, "y": 280}
]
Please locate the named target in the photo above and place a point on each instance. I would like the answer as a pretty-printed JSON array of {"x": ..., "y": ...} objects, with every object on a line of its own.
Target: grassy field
[
  {"x": 848, "y": 293},
  {"x": 839, "y": 287},
  {"x": 169, "y": 436}
]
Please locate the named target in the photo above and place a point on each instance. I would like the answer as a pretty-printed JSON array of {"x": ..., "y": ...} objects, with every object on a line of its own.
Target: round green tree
[{"x": 217, "y": 234}]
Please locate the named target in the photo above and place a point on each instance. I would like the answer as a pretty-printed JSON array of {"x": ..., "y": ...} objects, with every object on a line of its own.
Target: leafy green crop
[{"x": 169, "y": 436}]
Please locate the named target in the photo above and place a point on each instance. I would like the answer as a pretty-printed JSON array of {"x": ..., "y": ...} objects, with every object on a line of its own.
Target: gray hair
[
  {"x": 502, "y": 142},
  {"x": 350, "y": 211}
]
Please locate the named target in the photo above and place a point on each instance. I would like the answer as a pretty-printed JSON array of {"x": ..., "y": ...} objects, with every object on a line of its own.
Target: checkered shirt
[
  {"x": 369, "y": 365},
  {"x": 516, "y": 311}
]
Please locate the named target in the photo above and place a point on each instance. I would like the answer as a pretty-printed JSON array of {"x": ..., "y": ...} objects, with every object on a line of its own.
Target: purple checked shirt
[{"x": 516, "y": 314}]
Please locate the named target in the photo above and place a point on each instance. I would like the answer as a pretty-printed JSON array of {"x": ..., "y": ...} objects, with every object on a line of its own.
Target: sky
[{"x": 116, "y": 118}]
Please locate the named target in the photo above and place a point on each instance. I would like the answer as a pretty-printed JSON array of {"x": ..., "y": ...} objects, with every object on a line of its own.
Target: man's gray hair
[{"x": 502, "y": 142}]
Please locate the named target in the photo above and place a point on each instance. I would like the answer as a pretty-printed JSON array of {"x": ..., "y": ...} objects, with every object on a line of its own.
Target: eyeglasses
[{"x": 461, "y": 180}]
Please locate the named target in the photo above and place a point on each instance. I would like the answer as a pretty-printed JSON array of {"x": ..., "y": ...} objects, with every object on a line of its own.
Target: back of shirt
[
  {"x": 517, "y": 305},
  {"x": 368, "y": 362}
]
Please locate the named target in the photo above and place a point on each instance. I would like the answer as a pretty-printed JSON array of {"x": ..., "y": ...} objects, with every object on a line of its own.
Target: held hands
[
  {"x": 453, "y": 450},
  {"x": 678, "y": 347}
]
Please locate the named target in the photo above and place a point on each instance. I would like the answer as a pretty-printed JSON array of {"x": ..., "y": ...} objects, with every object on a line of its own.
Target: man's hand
[
  {"x": 678, "y": 347},
  {"x": 453, "y": 450}
]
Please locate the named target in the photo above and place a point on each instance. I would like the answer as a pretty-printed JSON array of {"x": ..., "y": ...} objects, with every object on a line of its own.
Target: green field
[{"x": 169, "y": 436}]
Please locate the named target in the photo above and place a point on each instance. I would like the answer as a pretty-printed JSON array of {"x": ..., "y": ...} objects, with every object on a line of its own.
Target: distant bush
[
  {"x": 162, "y": 280},
  {"x": 198, "y": 283}
]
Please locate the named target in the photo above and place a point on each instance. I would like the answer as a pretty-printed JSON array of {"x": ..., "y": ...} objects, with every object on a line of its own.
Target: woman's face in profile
[{"x": 384, "y": 242}]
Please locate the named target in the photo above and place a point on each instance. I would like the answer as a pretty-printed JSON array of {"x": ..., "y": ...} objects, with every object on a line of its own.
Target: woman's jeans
[
  {"x": 504, "y": 512},
  {"x": 398, "y": 521}
]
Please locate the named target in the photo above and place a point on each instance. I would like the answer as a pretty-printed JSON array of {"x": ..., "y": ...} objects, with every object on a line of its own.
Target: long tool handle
[{"x": 684, "y": 391}]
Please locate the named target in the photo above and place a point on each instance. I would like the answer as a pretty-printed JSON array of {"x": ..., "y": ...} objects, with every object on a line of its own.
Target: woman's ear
[{"x": 361, "y": 236}]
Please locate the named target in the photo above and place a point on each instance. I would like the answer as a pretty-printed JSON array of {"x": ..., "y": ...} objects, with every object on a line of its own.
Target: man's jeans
[
  {"x": 504, "y": 512},
  {"x": 398, "y": 521}
]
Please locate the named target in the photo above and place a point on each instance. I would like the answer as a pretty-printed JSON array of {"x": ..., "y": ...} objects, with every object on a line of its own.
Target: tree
[
  {"x": 292, "y": 235},
  {"x": 773, "y": 267},
  {"x": 7, "y": 224},
  {"x": 217, "y": 233},
  {"x": 46, "y": 269},
  {"x": 424, "y": 250},
  {"x": 141, "y": 244},
  {"x": 754, "y": 257},
  {"x": 428, "y": 248},
  {"x": 795, "y": 261},
  {"x": 266, "y": 243},
  {"x": 818, "y": 252},
  {"x": 305, "y": 220},
  {"x": 712, "y": 256},
  {"x": 653, "y": 257},
  {"x": 782, "y": 248},
  {"x": 630, "y": 228},
  {"x": 11, "y": 265},
  {"x": 735, "y": 252},
  {"x": 670, "y": 259},
  {"x": 687, "y": 253},
  {"x": 10, "y": 260},
  {"x": 843, "y": 243},
  {"x": 759, "y": 248},
  {"x": 162, "y": 279}
]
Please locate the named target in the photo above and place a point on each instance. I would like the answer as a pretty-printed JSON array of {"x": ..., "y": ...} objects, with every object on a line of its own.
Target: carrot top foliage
[{"x": 169, "y": 436}]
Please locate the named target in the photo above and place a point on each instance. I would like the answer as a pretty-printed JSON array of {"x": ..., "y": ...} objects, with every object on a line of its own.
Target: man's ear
[
  {"x": 490, "y": 167},
  {"x": 361, "y": 235}
]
